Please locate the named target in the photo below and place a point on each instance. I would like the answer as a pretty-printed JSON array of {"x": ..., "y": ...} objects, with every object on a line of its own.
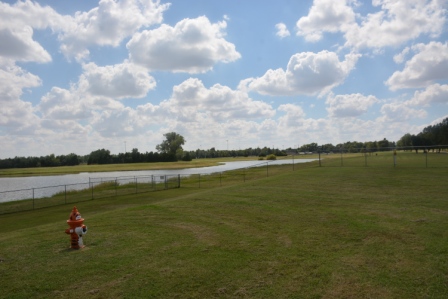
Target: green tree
[
  {"x": 135, "y": 156},
  {"x": 311, "y": 147},
  {"x": 69, "y": 160},
  {"x": 100, "y": 156},
  {"x": 405, "y": 141},
  {"x": 383, "y": 144},
  {"x": 417, "y": 141},
  {"x": 186, "y": 157},
  {"x": 172, "y": 145}
]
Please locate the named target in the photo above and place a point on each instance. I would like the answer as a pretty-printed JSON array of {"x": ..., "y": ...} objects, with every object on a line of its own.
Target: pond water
[{"x": 22, "y": 183}]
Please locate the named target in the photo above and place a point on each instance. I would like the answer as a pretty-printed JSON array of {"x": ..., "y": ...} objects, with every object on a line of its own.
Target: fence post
[
  {"x": 166, "y": 187},
  {"x": 136, "y": 188},
  {"x": 92, "y": 190},
  {"x": 319, "y": 159},
  {"x": 395, "y": 157},
  {"x": 267, "y": 169},
  {"x": 199, "y": 176},
  {"x": 365, "y": 158},
  {"x": 342, "y": 161},
  {"x": 33, "y": 198},
  {"x": 178, "y": 181},
  {"x": 65, "y": 194}
]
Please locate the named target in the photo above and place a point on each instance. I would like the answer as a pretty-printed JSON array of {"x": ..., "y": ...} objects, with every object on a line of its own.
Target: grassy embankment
[{"x": 317, "y": 232}]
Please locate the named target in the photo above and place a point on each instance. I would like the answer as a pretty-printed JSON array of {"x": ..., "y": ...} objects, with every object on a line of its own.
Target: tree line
[
  {"x": 258, "y": 152},
  {"x": 349, "y": 146},
  {"x": 100, "y": 156},
  {"x": 432, "y": 137},
  {"x": 103, "y": 156},
  {"x": 44, "y": 161},
  {"x": 168, "y": 151}
]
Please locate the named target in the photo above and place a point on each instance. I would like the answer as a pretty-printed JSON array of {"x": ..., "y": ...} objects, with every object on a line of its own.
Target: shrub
[{"x": 271, "y": 157}]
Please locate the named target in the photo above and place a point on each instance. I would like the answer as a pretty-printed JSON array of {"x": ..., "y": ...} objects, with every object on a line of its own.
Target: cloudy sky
[{"x": 77, "y": 76}]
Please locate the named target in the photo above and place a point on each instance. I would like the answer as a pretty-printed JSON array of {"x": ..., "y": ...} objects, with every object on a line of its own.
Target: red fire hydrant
[{"x": 77, "y": 229}]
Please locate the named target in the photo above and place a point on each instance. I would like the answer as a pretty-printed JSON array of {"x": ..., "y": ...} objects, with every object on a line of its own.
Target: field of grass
[{"x": 316, "y": 232}]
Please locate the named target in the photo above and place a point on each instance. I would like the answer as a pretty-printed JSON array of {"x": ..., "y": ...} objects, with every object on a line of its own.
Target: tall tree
[
  {"x": 172, "y": 145},
  {"x": 406, "y": 140},
  {"x": 383, "y": 144},
  {"x": 100, "y": 156}
]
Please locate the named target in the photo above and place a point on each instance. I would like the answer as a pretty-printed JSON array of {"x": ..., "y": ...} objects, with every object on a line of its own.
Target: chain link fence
[
  {"x": 35, "y": 198},
  {"x": 260, "y": 170},
  {"x": 436, "y": 156}
]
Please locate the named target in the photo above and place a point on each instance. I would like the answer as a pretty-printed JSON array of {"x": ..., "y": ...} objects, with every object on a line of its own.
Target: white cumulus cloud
[
  {"x": 119, "y": 81},
  {"x": 20, "y": 46},
  {"x": 63, "y": 104},
  {"x": 428, "y": 65},
  {"x": 17, "y": 25},
  {"x": 433, "y": 94},
  {"x": 18, "y": 117},
  {"x": 108, "y": 24},
  {"x": 192, "y": 46},
  {"x": 399, "y": 58},
  {"x": 400, "y": 112},
  {"x": 349, "y": 105},
  {"x": 14, "y": 79},
  {"x": 394, "y": 23},
  {"x": 325, "y": 16},
  {"x": 306, "y": 73},
  {"x": 282, "y": 30},
  {"x": 219, "y": 102}
]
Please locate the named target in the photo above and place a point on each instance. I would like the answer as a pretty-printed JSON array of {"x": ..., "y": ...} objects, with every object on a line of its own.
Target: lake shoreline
[{"x": 195, "y": 163}]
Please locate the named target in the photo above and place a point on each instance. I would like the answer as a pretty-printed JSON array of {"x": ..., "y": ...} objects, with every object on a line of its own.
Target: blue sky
[{"x": 77, "y": 76}]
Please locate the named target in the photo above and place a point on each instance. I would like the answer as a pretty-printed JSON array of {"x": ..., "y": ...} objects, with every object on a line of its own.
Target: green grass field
[{"x": 316, "y": 232}]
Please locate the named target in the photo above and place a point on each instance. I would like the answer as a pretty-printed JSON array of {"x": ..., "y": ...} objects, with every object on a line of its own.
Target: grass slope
[{"x": 319, "y": 232}]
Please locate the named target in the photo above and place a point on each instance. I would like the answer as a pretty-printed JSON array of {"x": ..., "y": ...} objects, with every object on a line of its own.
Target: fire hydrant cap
[{"x": 75, "y": 217}]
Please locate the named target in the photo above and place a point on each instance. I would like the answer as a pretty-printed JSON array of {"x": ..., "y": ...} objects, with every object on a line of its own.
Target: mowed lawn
[{"x": 316, "y": 232}]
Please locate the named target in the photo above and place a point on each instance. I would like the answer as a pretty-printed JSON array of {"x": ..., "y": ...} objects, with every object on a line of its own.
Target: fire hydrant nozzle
[{"x": 77, "y": 229}]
